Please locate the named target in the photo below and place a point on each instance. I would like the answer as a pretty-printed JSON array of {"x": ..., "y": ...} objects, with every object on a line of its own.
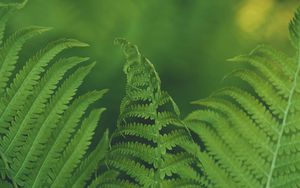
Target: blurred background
[{"x": 188, "y": 41}]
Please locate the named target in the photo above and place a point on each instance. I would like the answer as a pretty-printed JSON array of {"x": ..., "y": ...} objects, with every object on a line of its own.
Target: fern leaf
[
  {"x": 135, "y": 149},
  {"x": 136, "y": 129},
  {"x": 250, "y": 136},
  {"x": 108, "y": 180},
  {"x": 66, "y": 127},
  {"x": 27, "y": 118},
  {"x": 294, "y": 29},
  {"x": 147, "y": 145},
  {"x": 75, "y": 150},
  {"x": 90, "y": 164},
  {"x": 28, "y": 77},
  {"x": 24, "y": 82},
  {"x": 41, "y": 124},
  {"x": 175, "y": 162},
  {"x": 9, "y": 54},
  {"x": 48, "y": 122},
  {"x": 5, "y": 13},
  {"x": 285, "y": 63},
  {"x": 181, "y": 184},
  {"x": 133, "y": 169}
]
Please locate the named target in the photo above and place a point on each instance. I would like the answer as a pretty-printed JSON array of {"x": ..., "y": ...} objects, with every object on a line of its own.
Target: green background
[{"x": 188, "y": 41}]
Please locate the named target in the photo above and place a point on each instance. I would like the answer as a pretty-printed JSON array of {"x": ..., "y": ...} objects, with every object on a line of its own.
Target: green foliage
[
  {"x": 43, "y": 140},
  {"x": 251, "y": 134},
  {"x": 148, "y": 145},
  {"x": 242, "y": 136}
]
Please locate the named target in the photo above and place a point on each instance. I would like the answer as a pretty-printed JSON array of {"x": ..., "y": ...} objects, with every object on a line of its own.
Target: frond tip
[{"x": 294, "y": 29}]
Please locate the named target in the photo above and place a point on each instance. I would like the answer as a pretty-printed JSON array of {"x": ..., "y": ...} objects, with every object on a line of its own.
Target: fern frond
[
  {"x": 132, "y": 168},
  {"x": 109, "y": 180},
  {"x": 58, "y": 142},
  {"x": 136, "y": 150},
  {"x": 136, "y": 129},
  {"x": 181, "y": 184},
  {"x": 43, "y": 139},
  {"x": 178, "y": 161},
  {"x": 5, "y": 13},
  {"x": 250, "y": 136},
  {"x": 147, "y": 145},
  {"x": 47, "y": 123},
  {"x": 75, "y": 150},
  {"x": 24, "y": 82},
  {"x": 284, "y": 62},
  {"x": 9, "y": 54},
  {"x": 36, "y": 104},
  {"x": 89, "y": 166}
]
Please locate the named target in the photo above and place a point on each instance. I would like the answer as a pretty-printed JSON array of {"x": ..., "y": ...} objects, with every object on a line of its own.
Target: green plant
[
  {"x": 242, "y": 136},
  {"x": 148, "y": 146},
  {"x": 43, "y": 140},
  {"x": 251, "y": 133}
]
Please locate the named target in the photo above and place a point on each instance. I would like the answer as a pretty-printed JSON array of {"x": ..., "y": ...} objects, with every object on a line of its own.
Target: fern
[
  {"x": 251, "y": 135},
  {"x": 246, "y": 136},
  {"x": 148, "y": 145},
  {"x": 44, "y": 141}
]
